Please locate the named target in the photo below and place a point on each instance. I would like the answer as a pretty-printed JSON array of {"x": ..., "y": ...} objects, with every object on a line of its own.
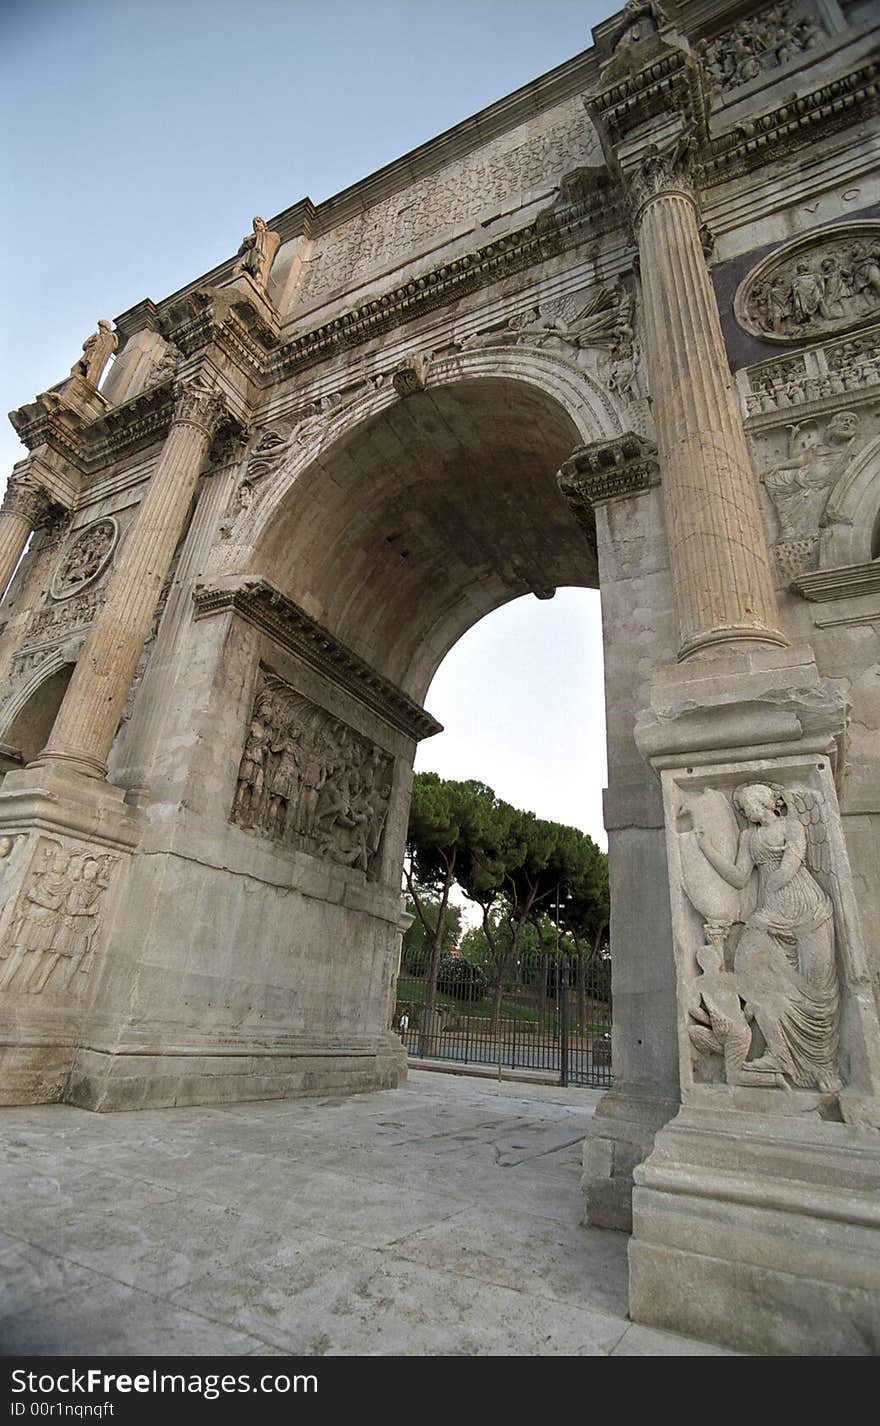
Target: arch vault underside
[{"x": 571, "y": 360}]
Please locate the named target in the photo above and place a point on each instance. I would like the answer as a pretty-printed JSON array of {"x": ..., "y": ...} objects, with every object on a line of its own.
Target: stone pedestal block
[{"x": 762, "y": 1234}]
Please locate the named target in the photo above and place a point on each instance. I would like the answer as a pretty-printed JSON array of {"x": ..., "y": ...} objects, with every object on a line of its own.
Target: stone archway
[
  {"x": 29, "y": 717},
  {"x": 416, "y": 517}
]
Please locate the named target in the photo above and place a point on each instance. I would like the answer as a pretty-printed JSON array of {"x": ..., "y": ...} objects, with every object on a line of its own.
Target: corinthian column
[
  {"x": 717, "y": 547},
  {"x": 87, "y": 721},
  {"x": 24, "y": 504}
]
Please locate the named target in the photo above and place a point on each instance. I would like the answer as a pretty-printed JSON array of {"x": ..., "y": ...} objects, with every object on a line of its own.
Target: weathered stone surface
[{"x": 498, "y": 367}]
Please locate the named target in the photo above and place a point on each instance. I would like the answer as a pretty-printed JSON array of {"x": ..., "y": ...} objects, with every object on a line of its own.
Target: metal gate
[{"x": 548, "y": 1016}]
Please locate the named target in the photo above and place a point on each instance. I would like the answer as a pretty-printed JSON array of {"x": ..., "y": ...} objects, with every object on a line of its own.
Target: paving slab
[{"x": 441, "y": 1218}]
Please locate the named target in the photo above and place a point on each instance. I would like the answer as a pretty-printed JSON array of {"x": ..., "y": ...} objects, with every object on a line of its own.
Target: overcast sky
[{"x": 142, "y": 136}]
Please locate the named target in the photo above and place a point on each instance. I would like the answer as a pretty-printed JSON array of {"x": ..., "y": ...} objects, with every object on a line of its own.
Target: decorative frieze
[
  {"x": 826, "y": 281},
  {"x": 58, "y": 621},
  {"x": 845, "y": 367},
  {"x": 292, "y": 629},
  {"x": 85, "y": 558},
  {"x": 388, "y": 231},
  {"x": 52, "y": 933},
  {"x": 309, "y": 781},
  {"x": 764, "y": 42}
]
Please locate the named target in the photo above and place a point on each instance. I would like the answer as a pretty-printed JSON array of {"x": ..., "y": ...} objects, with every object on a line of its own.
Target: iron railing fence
[{"x": 543, "y": 1017}]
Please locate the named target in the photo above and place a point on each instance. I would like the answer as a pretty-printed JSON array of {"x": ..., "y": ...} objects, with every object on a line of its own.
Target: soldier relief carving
[
  {"x": 308, "y": 780},
  {"x": 85, "y": 558},
  {"x": 757, "y": 867},
  {"x": 54, "y": 927},
  {"x": 827, "y": 282},
  {"x": 766, "y": 41}
]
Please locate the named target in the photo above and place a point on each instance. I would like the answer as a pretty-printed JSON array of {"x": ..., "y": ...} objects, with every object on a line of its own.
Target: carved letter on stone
[
  {"x": 53, "y": 929},
  {"x": 309, "y": 781},
  {"x": 85, "y": 558}
]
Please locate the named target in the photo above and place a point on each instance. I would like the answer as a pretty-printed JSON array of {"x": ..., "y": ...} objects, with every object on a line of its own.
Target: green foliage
[
  {"x": 417, "y": 940},
  {"x": 460, "y": 979}
]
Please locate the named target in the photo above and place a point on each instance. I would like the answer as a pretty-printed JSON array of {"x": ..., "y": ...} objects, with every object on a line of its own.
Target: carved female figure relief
[{"x": 784, "y": 964}]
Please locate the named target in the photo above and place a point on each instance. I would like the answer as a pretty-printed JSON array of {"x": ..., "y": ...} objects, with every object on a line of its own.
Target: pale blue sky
[{"x": 142, "y": 136}]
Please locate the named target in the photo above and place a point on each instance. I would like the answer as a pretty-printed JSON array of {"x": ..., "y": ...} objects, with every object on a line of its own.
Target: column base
[
  {"x": 763, "y": 1235},
  {"x": 621, "y": 1136},
  {"x": 740, "y": 638}
]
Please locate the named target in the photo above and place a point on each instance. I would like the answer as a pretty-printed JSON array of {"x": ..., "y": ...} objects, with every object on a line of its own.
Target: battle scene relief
[{"x": 309, "y": 781}]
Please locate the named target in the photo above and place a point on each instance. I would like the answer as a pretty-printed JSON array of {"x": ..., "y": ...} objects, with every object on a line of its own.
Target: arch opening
[
  {"x": 425, "y": 517},
  {"x": 28, "y": 732}
]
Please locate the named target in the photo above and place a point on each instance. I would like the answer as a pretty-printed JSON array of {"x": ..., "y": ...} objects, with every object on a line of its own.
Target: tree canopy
[{"x": 523, "y": 872}]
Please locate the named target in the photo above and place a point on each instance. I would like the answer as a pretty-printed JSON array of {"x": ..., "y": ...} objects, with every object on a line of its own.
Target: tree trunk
[{"x": 426, "y": 1026}]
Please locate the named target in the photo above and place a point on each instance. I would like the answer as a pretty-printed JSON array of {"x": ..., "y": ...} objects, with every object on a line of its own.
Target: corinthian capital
[
  {"x": 26, "y": 499},
  {"x": 662, "y": 171},
  {"x": 197, "y": 404}
]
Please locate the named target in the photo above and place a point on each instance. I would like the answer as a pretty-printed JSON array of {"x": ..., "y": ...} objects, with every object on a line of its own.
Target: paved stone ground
[{"x": 440, "y": 1218}]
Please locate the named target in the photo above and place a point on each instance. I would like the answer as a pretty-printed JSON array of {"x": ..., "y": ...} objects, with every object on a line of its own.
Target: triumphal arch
[{"x": 620, "y": 329}]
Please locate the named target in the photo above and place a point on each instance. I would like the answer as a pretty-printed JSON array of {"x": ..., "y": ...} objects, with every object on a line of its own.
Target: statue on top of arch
[{"x": 257, "y": 252}]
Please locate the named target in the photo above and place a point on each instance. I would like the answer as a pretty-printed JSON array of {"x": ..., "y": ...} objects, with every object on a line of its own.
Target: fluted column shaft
[
  {"x": 717, "y": 547},
  {"x": 87, "y": 721},
  {"x": 24, "y": 503}
]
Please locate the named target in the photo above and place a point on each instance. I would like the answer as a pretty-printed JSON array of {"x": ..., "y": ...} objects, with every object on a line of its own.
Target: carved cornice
[
  {"x": 551, "y": 232},
  {"x": 626, "y": 465},
  {"x": 132, "y": 426},
  {"x": 237, "y": 319},
  {"x": 846, "y": 582},
  {"x": 26, "y": 500},
  {"x": 801, "y": 121},
  {"x": 672, "y": 83},
  {"x": 284, "y": 621}
]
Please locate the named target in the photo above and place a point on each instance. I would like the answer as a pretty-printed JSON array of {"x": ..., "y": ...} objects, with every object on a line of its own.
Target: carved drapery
[
  {"x": 766, "y": 999},
  {"x": 307, "y": 780}
]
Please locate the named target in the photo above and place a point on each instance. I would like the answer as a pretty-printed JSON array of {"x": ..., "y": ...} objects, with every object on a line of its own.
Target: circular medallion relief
[
  {"x": 825, "y": 282},
  {"x": 85, "y": 558}
]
